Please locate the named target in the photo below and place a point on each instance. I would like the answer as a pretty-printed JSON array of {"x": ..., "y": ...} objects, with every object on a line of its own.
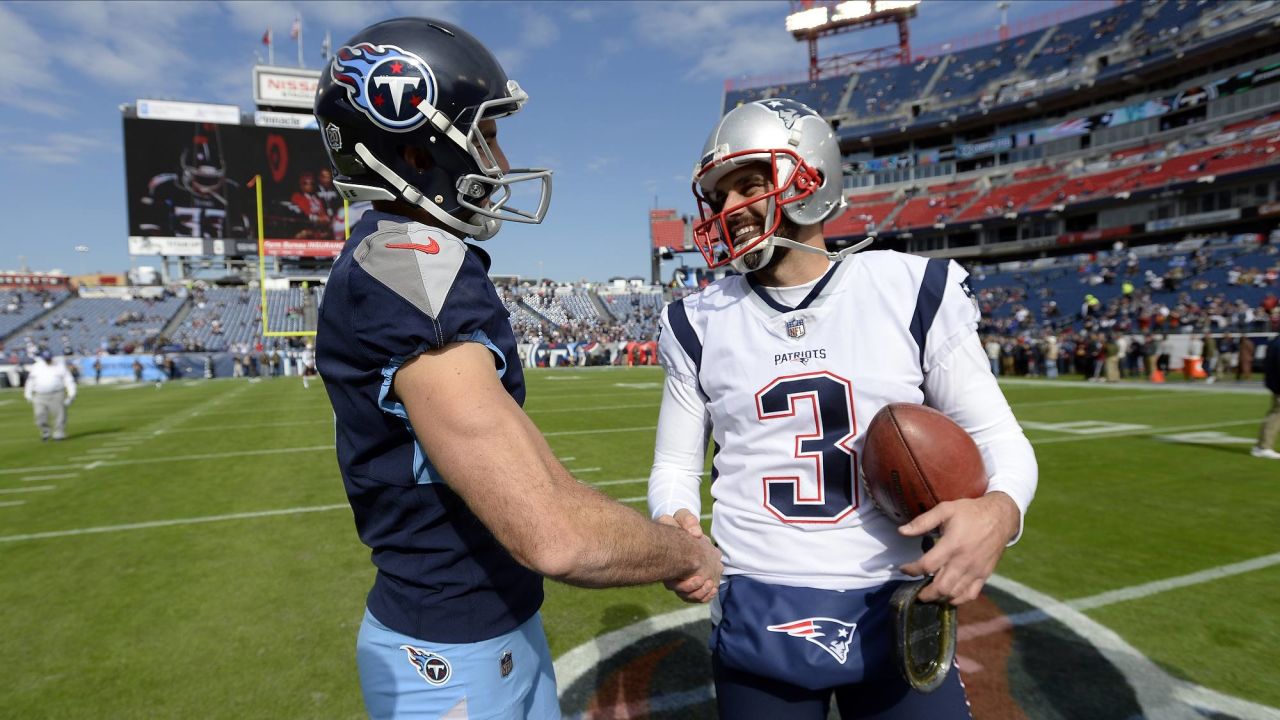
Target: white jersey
[
  {"x": 49, "y": 377},
  {"x": 788, "y": 393}
]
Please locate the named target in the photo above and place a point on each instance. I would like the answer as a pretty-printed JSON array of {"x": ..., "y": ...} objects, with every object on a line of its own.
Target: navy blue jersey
[{"x": 400, "y": 288}]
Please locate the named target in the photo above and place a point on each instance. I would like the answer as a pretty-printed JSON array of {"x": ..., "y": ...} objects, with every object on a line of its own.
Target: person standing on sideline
[
  {"x": 1051, "y": 351},
  {"x": 1271, "y": 423},
  {"x": 308, "y": 365},
  {"x": 1244, "y": 371},
  {"x": 993, "y": 354},
  {"x": 464, "y": 504},
  {"x": 1209, "y": 351},
  {"x": 50, "y": 388}
]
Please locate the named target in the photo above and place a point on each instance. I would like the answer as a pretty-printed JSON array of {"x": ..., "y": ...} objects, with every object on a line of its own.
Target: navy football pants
[{"x": 744, "y": 696}]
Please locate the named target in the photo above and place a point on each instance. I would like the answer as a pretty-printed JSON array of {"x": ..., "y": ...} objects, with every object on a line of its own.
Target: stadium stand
[
  {"x": 1108, "y": 174},
  {"x": 17, "y": 308}
]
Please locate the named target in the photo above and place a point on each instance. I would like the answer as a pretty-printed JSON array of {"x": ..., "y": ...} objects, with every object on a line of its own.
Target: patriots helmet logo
[
  {"x": 431, "y": 666},
  {"x": 833, "y": 636},
  {"x": 789, "y": 110},
  {"x": 385, "y": 83}
]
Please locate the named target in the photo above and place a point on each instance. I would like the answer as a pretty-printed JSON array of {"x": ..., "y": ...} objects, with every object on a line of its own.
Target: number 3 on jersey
[{"x": 793, "y": 499}]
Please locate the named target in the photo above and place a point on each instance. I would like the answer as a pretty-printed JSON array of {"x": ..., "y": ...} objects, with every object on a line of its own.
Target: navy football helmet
[
  {"x": 416, "y": 82},
  {"x": 203, "y": 167}
]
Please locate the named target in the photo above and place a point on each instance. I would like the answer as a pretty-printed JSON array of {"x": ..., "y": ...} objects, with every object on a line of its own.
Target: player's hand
[
  {"x": 685, "y": 520},
  {"x": 705, "y": 583},
  {"x": 974, "y": 536}
]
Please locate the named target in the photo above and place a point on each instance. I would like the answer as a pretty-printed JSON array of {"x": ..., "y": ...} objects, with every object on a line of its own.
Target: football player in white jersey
[{"x": 781, "y": 367}]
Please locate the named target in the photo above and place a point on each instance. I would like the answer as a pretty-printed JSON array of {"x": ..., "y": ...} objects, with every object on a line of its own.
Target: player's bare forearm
[
  {"x": 492, "y": 455},
  {"x": 974, "y": 536},
  {"x": 625, "y": 548}
]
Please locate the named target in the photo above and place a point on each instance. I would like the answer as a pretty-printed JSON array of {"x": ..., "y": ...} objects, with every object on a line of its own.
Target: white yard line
[
  {"x": 174, "y": 458},
  {"x": 1145, "y": 431},
  {"x": 13, "y": 503},
  {"x": 59, "y": 476},
  {"x": 593, "y": 408},
  {"x": 34, "y": 488},
  {"x": 625, "y": 481},
  {"x": 600, "y": 432},
  {"x": 1176, "y": 386},
  {"x": 170, "y": 523},
  {"x": 1135, "y": 592}
]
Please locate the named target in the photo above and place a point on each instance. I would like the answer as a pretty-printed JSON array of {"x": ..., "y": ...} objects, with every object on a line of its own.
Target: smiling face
[{"x": 745, "y": 223}]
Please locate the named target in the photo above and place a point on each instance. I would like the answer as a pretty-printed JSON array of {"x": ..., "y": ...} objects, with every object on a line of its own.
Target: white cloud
[
  {"x": 538, "y": 31},
  {"x": 34, "y": 89},
  {"x": 721, "y": 39},
  {"x": 125, "y": 44},
  {"x": 58, "y": 148},
  {"x": 585, "y": 12}
]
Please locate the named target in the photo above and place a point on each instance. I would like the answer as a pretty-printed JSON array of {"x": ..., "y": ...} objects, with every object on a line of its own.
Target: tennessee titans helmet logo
[
  {"x": 832, "y": 635},
  {"x": 432, "y": 667},
  {"x": 789, "y": 110},
  {"x": 386, "y": 83}
]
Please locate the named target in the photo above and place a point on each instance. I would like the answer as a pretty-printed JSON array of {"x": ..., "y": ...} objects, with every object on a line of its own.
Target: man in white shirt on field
[{"x": 50, "y": 388}]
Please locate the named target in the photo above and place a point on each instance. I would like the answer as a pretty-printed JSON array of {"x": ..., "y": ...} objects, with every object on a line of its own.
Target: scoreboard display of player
[{"x": 190, "y": 189}]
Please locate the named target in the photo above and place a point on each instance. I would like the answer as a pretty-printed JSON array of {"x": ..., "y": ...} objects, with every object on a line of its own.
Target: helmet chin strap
[
  {"x": 486, "y": 229},
  {"x": 833, "y": 256}
]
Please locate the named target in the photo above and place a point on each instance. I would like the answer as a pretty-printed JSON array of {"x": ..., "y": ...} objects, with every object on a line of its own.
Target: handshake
[{"x": 704, "y": 583}]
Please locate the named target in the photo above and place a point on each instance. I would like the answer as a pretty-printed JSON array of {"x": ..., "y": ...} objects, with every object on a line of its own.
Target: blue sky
[{"x": 622, "y": 96}]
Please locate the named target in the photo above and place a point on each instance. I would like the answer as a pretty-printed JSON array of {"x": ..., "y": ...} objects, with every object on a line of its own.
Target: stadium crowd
[
  {"x": 1205, "y": 292},
  {"x": 1081, "y": 313}
]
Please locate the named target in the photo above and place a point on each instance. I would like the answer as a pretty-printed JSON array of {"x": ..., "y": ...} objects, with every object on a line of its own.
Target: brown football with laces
[{"x": 915, "y": 457}]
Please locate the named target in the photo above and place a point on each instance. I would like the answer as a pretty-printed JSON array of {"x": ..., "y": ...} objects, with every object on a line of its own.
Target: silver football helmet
[{"x": 803, "y": 154}]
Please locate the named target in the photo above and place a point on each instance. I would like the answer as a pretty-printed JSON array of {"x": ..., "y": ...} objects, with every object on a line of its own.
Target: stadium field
[{"x": 188, "y": 552}]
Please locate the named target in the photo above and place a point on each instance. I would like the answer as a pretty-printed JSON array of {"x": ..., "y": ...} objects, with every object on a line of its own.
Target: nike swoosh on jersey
[{"x": 431, "y": 248}]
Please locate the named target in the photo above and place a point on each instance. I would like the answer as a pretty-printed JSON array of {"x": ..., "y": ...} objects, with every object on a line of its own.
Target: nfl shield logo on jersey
[{"x": 795, "y": 328}]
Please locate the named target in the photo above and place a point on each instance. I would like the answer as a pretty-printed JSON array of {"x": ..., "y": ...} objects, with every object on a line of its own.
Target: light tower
[{"x": 813, "y": 19}]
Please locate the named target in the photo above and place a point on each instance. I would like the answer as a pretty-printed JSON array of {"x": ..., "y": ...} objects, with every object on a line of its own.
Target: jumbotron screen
[{"x": 191, "y": 193}]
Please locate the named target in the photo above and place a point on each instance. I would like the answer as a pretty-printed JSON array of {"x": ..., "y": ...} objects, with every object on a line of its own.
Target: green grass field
[{"x": 188, "y": 552}]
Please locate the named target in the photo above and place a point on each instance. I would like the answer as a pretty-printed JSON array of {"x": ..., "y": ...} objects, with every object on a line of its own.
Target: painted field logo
[{"x": 1016, "y": 660}]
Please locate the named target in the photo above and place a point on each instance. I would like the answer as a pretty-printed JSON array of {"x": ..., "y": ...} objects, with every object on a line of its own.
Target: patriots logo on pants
[
  {"x": 432, "y": 667},
  {"x": 830, "y": 634}
]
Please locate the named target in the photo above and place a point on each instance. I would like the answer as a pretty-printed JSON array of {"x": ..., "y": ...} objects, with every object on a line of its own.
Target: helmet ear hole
[{"x": 418, "y": 158}]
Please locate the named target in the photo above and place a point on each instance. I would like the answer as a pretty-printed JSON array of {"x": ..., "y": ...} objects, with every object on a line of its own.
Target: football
[{"x": 915, "y": 457}]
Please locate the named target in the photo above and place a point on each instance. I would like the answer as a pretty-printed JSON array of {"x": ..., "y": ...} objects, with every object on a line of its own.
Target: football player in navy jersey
[
  {"x": 200, "y": 201},
  {"x": 780, "y": 368},
  {"x": 460, "y": 498}
]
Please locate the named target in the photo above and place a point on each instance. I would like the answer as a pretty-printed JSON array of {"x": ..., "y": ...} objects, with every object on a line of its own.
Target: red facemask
[{"x": 711, "y": 234}]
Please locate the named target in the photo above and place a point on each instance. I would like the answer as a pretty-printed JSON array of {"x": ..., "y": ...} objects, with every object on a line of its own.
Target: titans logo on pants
[{"x": 386, "y": 83}]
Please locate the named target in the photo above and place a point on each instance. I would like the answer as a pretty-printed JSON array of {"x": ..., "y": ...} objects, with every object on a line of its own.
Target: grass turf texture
[{"x": 256, "y": 617}]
